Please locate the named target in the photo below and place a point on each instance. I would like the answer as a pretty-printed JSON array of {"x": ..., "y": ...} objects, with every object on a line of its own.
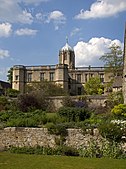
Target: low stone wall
[
  {"x": 21, "y": 136},
  {"x": 97, "y": 100},
  {"x": 31, "y": 137}
]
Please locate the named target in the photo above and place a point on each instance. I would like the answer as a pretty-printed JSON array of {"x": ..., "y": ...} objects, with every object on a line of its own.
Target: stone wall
[
  {"x": 21, "y": 136},
  {"x": 97, "y": 100},
  {"x": 31, "y": 137}
]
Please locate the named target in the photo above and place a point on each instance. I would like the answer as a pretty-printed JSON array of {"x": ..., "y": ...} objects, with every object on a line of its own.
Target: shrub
[
  {"x": 106, "y": 149},
  {"x": 60, "y": 150},
  {"x": 12, "y": 92},
  {"x": 114, "y": 99},
  {"x": 58, "y": 129},
  {"x": 110, "y": 131},
  {"x": 73, "y": 114},
  {"x": 69, "y": 151},
  {"x": 3, "y": 103},
  {"x": 119, "y": 110}
]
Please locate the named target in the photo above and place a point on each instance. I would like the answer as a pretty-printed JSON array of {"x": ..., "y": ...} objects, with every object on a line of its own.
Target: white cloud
[
  {"x": 4, "y": 53},
  {"x": 88, "y": 53},
  {"x": 5, "y": 29},
  {"x": 3, "y": 73},
  {"x": 10, "y": 11},
  {"x": 57, "y": 17},
  {"x": 26, "y": 32},
  {"x": 103, "y": 8},
  {"x": 33, "y": 1},
  {"x": 75, "y": 31}
]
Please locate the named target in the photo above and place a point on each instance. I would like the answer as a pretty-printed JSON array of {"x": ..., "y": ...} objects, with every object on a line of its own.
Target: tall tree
[
  {"x": 9, "y": 75},
  {"x": 94, "y": 86},
  {"x": 113, "y": 60}
]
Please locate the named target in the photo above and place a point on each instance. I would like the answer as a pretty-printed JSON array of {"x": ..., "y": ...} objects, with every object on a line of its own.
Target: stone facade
[{"x": 71, "y": 78}]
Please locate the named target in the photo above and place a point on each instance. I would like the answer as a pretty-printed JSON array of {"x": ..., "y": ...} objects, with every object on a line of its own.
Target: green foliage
[
  {"x": 23, "y": 119},
  {"x": 106, "y": 149},
  {"x": 73, "y": 114},
  {"x": 58, "y": 129},
  {"x": 114, "y": 99},
  {"x": 62, "y": 150},
  {"x": 46, "y": 88},
  {"x": 94, "y": 86},
  {"x": 9, "y": 75},
  {"x": 31, "y": 101},
  {"x": 3, "y": 103},
  {"x": 12, "y": 92},
  {"x": 113, "y": 60},
  {"x": 111, "y": 131},
  {"x": 119, "y": 110}
]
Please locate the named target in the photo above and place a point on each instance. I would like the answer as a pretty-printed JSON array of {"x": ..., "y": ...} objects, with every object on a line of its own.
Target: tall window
[
  {"x": 29, "y": 77},
  {"x": 101, "y": 77},
  {"x": 42, "y": 76},
  {"x": 86, "y": 77},
  {"x": 16, "y": 77},
  {"x": 51, "y": 76},
  {"x": 79, "y": 77},
  {"x": 91, "y": 75}
]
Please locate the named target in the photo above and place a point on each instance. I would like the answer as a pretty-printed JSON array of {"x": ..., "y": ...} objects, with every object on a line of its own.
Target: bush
[
  {"x": 12, "y": 92},
  {"x": 114, "y": 99},
  {"x": 3, "y": 103},
  {"x": 23, "y": 119},
  {"x": 58, "y": 129},
  {"x": 110, "y": 131},
  {"x": 73, "y": 114},
  {"x": 60, "y": 150},
  {"x": 106, "y": 149},
  {"x": 119, "y": 110}
]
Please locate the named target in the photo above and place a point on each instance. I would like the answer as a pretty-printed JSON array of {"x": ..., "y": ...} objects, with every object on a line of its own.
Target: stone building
[
  {"x": 3, "y": 87},
  {"x": 71, "y": 78}
]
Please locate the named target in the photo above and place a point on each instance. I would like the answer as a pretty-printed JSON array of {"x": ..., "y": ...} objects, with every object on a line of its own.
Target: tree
[
  {"x": 94, "y": 86},
  {"x": 46, "y": 88},
  {"x": 10, "y": 76},
  {"x": 113, "y": 60}
]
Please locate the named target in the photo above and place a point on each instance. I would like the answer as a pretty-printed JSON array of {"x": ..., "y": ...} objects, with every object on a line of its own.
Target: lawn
[{"x": 23, "y": 161}]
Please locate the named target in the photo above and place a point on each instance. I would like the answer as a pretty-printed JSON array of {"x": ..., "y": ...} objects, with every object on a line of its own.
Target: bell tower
[
  {"x": 124, "y": 68},
  {"x": 67, "y": 56}
]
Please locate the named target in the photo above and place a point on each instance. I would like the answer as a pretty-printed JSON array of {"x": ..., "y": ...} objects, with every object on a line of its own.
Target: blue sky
[{"x": 33, "y": 31}]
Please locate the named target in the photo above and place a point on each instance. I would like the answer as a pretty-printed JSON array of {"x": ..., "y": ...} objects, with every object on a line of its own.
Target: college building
[{"x": 65, "y": 74}]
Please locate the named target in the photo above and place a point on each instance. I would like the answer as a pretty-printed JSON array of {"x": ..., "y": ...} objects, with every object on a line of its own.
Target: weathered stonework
[
  {"x": 31, "y": 137},
  {"x": 20, "y": 137}
]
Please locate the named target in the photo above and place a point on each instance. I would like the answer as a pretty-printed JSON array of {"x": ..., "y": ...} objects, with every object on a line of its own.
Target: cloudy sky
[{"x": 33, "y": 31}]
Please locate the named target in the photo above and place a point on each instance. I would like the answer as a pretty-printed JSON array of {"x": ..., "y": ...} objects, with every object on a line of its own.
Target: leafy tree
[
  {"x": 94, "y": 86},
  {"x": 46, "y": 88},
  {"x": 9, "y": 75},
  {"x": 113, "y": 59}
]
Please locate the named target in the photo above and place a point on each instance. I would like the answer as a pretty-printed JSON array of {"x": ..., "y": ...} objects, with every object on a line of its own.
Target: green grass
[{"x": 23, "y": 161}]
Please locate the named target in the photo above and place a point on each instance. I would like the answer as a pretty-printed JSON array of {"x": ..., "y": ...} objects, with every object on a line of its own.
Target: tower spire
[{"x": 66, "y": 39}]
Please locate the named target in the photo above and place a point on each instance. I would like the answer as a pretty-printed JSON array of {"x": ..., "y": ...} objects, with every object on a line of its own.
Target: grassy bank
[{"x": 22, "y": 161}]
